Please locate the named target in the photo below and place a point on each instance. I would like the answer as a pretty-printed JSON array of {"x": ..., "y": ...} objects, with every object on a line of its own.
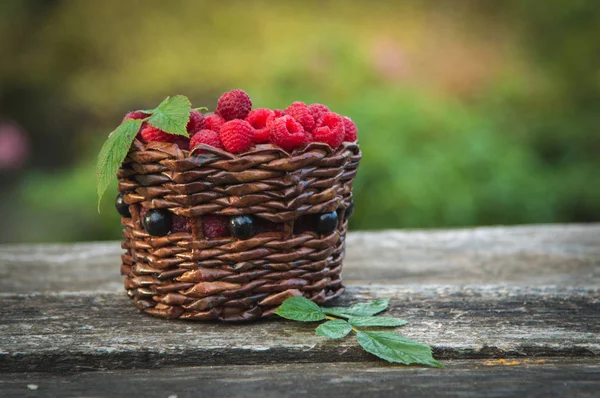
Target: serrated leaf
[
  {"x": 300, "y": 309},
  {"x": 395, "y": 348},
  {"x": 172, "y": 115},
  {"x": 360, "y": 309},
  {"x": 113, "y": 153},
  {"x": 382, "y": 321},
  {"x": 335, "y": 329}
]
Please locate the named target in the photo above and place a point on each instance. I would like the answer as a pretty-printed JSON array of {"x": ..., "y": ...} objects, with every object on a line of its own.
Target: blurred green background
[{"x": 469, "y": 112}]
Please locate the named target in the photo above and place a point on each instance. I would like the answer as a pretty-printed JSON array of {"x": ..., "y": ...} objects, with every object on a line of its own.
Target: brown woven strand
[{"x": 186, "y": 276}]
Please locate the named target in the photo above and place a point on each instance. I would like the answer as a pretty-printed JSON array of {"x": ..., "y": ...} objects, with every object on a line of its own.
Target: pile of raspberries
[{"x": 237, "y": 128}]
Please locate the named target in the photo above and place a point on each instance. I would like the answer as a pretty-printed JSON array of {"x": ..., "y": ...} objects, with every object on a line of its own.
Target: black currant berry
[
  {"x": 349, "y": 211},
  {"x": 327, "y": 223},
  {"x": 241, "y": 227},
  {"x": 122, "y": 207},
  {"x": 157, "y": 222}
]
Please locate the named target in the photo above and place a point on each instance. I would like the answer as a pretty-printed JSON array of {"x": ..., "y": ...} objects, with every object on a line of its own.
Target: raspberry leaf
[
  {"x": 172, "y": 115},
  {"x": 360, "y": 309},
  {"x": 113, "y": 153},
  {"x": 376, "y": 321},
  {"x": 300, "y": 309},
  {"x": 335, "y": 329},
  {"x": 398, "y": 349}
]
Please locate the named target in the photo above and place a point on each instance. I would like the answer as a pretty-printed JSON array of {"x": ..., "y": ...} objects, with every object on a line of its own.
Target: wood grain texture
[
  {"x": 74, "y": 331},
  {"x": 566, "y": 255},
  {"x": 471, "y": 378},
  {"x": 527, "y": 293}
]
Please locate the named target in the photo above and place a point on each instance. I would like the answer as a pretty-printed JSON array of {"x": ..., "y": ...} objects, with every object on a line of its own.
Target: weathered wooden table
[{"x": 510, "y": 311}]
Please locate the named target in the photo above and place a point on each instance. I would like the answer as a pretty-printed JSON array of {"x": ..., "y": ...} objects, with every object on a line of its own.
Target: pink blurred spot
[
  {"x": 390, "y": 59},
  {"x": 14, "y": 146}
]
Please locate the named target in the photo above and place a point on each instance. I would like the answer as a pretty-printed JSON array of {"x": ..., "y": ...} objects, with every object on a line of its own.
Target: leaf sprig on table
[
  {"x": 172, "y": 115},
  {"x": 341, "y": 321}
]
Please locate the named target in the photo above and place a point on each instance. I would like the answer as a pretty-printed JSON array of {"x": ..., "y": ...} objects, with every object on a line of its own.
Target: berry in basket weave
[{"x": 231, "y": 234}]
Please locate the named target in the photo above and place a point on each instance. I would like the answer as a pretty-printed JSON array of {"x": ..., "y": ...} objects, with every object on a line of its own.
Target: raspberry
[
  {"x": 234, "y": 104},
  {"x": 196, "y": 122},
  {"x": 151, "y": 133},
  {"x": 332, "y": 120},
  {"x": 279, "y": 113},
  {"x": 182, "y": 142},
  {"x": 335, "y": 124},
  {"x": 318, "y": 110},
  {"x": 351, "y": 132},
  {"x": 259, "y": 119},
  {"x": 214, "y": 122},
  {"x": 215, "y": 226},
  {"x": 303, "y": 115},
  {"x": 261, "y": 136},
  {"x": 181, "y": 224},
  {"x": 136, "y": 115},
  {"x": 332, "y": 137},
  {"x": 237, "y": 135},
  {"x": 288, "y": 133},
  {"x": 207, "y": 137}
]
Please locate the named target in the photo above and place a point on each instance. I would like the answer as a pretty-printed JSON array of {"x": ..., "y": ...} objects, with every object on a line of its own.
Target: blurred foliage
[{"x": 469, "y": 113}]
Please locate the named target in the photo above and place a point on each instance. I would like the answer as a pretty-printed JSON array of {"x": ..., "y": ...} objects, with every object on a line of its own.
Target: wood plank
[
  {"x": 79, "y": 331},
  {"x": 473, "y": 378},
  {"x": 526, "y": 256}
]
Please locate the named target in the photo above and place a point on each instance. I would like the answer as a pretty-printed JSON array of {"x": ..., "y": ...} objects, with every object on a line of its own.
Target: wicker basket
[{"x": 186, "y": 276}]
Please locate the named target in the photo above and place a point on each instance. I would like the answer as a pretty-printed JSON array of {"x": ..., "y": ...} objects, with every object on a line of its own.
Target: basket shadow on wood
[{"x": 187, "y": 276}]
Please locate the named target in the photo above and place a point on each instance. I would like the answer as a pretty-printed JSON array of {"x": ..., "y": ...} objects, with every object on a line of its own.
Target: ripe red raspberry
[
  {"x": 151, "y": 133},
  {"x": 234, "y": 104},
  {"x": 259, "y": 118},
  {"x": 261, "y": 136},
  {"x": 215, "y": 226},
  {"x": 303, "y": 115},
  {"x": 318, "y": 110},
  {"x": 181, "y": 224},
  {"x": 136, "y": 115},
  {"x": 335, "y": 123},
  {"x": 237, "y": 135},
  {"x": 207, "y": 137},
  {"x": 277, "y": 113},
  {"x": 351, "y": 132},
  {"x": 333, "y": 137},
  {"x": 288, "y": 133},
  {"x": 182, "y": 142},
  {"x": 196, "y": 122},
  {"x": 214, "y": 122}
]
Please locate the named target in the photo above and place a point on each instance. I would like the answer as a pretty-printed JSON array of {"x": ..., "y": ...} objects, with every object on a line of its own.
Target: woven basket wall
[{"x": 186, "y": 276}]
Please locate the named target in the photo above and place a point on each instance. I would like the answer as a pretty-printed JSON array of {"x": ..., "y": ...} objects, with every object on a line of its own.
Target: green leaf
[
  {"x": 113, "y": 153},
  {"x": 172, "y": 115},
  {"x": 300, "y": 309},
  {"x": 382, "y": 321},
  {"x": 395, "y": 348},
  {"x": 335, "y": 329},
  {"x": 360, "y": 309}
]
